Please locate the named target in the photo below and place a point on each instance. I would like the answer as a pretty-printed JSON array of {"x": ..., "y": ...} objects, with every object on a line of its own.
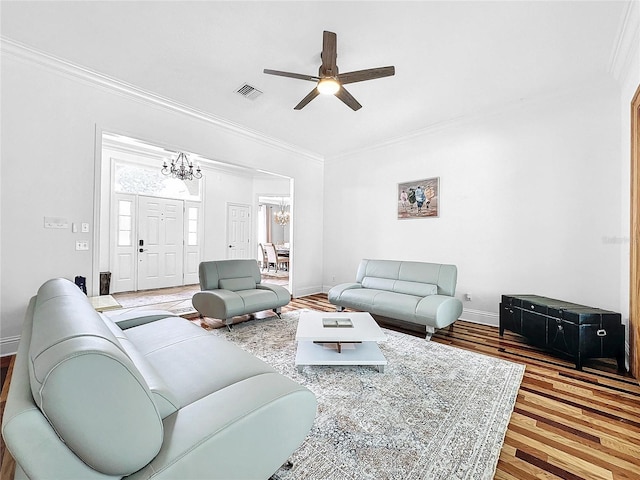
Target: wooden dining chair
[
  {"x": 274, "y": 258},
  {"x": 265, "y": 260}
]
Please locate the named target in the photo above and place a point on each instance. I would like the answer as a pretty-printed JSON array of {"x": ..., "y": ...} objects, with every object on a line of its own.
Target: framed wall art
[{"x": 419, "y": 198}]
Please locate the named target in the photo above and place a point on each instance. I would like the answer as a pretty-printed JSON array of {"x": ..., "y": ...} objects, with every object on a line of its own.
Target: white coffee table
[{"x": 320, "y": 345}]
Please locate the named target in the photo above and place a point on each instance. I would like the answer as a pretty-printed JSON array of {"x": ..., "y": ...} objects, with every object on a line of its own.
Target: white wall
[
  {"x": 50, "y": 115},
  {"x": 529, "y": 198}
]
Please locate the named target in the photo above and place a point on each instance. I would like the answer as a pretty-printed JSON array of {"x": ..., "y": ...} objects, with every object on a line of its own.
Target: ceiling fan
[{"x": 329, "y": 81}]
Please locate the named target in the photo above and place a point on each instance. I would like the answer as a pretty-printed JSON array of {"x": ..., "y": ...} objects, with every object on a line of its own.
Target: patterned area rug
[
  {"x": 283, "y": 274},
  {"x": 437, "y": 412}
]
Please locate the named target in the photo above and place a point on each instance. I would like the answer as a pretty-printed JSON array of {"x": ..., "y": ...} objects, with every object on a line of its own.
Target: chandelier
[
  {"x": 282, "y": 216},
  {"x": 181, "y": 168}
]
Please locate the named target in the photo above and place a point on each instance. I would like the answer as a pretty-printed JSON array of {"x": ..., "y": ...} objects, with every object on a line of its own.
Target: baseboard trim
[
  {"x": 9, "y": 345},
  {"x": 306, "y": 291},
  {"x": 480, "y": 317}
]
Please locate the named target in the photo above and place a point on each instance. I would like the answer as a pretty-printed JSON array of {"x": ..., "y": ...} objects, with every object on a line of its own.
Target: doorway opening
[
  {"x": 151, "y": 224},
  {"x": 274, "y": 236},
  {"x": 152, "y": 231}
]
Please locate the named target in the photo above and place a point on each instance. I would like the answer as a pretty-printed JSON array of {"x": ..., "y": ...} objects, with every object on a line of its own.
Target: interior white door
[
  {"x": 160, "y": 242},
  {"x": 238, "y": 231}
]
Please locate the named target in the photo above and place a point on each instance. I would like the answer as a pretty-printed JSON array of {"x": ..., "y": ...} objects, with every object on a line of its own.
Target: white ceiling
[{"x": 452, "y": 58}]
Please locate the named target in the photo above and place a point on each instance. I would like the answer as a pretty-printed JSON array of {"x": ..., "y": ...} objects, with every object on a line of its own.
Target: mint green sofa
[
  {"x": 161, "y": 399},
  {"x": 233, "y": 287},
  {"x": 416, "y": 293}
]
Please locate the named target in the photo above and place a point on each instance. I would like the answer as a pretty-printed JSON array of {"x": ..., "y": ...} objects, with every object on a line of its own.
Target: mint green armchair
[{"x": 233, "y": 287}]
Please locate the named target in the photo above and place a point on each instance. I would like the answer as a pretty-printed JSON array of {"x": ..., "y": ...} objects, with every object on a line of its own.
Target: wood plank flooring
[{"x": 566, "y": 424}]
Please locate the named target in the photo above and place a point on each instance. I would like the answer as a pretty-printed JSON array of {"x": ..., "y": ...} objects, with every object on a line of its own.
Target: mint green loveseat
[
  {"x": 161, "y": 399},
  {"x": 417, "y": 293}
]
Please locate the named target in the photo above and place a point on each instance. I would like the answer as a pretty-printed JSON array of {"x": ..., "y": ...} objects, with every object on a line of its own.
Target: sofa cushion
[
  {"x": 400, "y": 286},
  {"x": 236, "y": 284},
  {"x": 395, "y": 305},
  {"x": 415, "y": 288},
  {"x": 256, "y": 300},
  {"x": 87, "y": 387},
  {"x": 211, "y": 272},
  {"x": 191, "y": 360},
  {"x": 378, "y": 283},
  {"x": 378, "y": 268},
  {"x": 442, "y": 275},
  {"x": 359, "y": 298}
]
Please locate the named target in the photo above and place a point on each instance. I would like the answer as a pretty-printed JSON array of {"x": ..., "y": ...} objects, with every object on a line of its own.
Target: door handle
[
  {"x": 230, "y": 246},
  {"x": 142, "y": 250}
]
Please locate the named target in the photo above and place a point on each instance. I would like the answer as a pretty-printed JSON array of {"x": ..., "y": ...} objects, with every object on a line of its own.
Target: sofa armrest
[
  {"x": 335, "y": 292},
  {"x": 133, "y": 318},
  {"x": 284, "y": 297},
  {"x": 442, "y": 309},
  {"x": 220, "y": 304},
  {"x": 34, "y": 444}
]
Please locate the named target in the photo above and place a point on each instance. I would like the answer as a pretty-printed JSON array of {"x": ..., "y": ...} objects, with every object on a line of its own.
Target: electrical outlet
[
  {"x": 85, "y": 228},
  {"x": 82, "y": 245}
]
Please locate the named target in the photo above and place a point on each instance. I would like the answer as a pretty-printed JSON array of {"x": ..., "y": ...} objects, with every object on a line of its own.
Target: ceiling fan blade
[
  {"x": 329, "y": 54},
  {"x": 299, "y": 76},
  {"x": 312, "y": 94},
  {"x": 347, "y": 98},
  {"x": 369, "y": 74}
]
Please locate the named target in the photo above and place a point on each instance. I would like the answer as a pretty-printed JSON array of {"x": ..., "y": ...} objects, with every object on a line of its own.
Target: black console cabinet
[{"x": 576, "y": 330}]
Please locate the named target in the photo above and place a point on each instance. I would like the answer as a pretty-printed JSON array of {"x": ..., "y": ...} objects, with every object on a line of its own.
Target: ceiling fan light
[{"x": 328, "y": 86}]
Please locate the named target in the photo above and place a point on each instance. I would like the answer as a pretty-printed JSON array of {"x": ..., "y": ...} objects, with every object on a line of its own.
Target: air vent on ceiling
[{"x": 247, "y": 91}]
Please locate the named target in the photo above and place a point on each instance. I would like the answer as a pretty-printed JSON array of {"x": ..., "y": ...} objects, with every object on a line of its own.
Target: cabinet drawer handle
[
  {"x": 532, "y": 307},
  {"x": 601, "y": 333}
]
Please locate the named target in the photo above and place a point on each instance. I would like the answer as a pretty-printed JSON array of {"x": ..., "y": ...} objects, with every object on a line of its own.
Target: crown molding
[
  {"x": 627, "y": 41},
  {"x": 58, "y": 65}
]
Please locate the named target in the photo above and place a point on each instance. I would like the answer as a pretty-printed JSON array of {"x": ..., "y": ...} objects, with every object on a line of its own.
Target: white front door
[
  {"x": 160, "y": 242},
  {"x": 238, "y": 231}
]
